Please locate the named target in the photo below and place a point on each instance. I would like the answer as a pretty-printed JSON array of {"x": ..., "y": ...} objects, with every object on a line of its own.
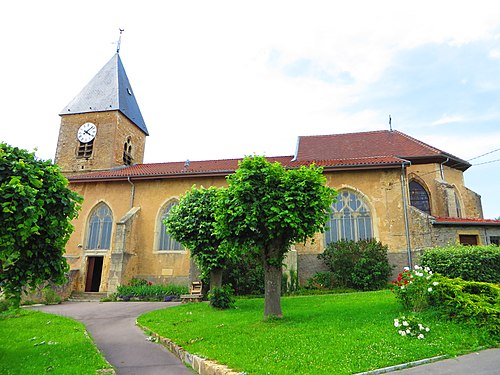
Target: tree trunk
[
  {"x": 272, "y": 279},
  {"x": 216, "y": 278}
]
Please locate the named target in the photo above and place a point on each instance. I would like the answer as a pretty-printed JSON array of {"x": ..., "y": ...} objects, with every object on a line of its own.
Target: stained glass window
[
  {"x": 100, "y": 226},
  {"x": 166, "y": 242},
  {"x": 419, "y": 197},
  {"x": 350, "y": 219}
]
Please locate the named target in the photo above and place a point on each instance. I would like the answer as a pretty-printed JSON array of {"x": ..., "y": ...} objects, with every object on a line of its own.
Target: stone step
[{"x": 87, "y": 296}]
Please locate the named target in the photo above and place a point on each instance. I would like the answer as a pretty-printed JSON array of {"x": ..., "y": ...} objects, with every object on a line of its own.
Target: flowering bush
[
  {"x": 410, "y": 326},
  {"x": 413, "y": 287}
]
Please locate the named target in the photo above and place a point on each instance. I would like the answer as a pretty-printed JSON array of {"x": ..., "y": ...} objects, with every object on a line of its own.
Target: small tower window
[
  {"x": 85, "y": 150},
  {"x": 127, "y": 152}
]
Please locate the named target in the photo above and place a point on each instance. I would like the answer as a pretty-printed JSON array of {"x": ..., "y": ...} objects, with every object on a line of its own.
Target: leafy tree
[
  {"x": 267, "y": 208},
  {"x": 36, "y": 207},
  {"x": 192, "y": 223}
]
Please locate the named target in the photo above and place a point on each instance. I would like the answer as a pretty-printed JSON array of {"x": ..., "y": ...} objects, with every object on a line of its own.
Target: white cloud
[{"x": 447, "y": 119}]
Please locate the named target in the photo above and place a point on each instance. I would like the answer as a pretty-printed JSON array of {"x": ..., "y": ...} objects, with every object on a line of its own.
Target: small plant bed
[
  {"x": 142, "y": 290},
  {"x": 33, "y": 342},
  {"x": 327, "y": 334}
]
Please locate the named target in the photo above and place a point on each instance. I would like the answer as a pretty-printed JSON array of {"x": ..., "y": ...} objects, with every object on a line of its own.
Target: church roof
[
  {"x": 355, "y": 151},
  {"x": 373, "y": 144},
  {"x": 109, "y": 90},
  {"x": 224, "y": 167}
]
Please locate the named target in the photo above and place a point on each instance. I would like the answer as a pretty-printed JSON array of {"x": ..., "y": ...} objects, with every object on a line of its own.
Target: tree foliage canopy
[
  {"x": 268, "y": 208},
  {"x": 36, "y": 207},
  {"x": 192, "y": 223}
]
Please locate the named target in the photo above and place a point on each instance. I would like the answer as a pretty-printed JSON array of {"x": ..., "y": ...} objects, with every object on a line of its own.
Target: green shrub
[
  {"x": 321, "y": 280},
  {"x": 246, "y": 275},
  {"x": 413, "y": 287},
  {"x": 468, "y": 301},
  {"x": 150, "y": 292},
  {"x": 221, "y": 298},
  {"x": 361, "y": 265},
  {"x": 475, "y": 263},
  {"x": 50, "y": 297},
  {"x": 139, "y": 282}
]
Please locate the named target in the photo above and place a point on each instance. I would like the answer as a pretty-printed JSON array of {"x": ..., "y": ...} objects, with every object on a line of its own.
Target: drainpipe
[
  {"x": 441, "y": 168},
  {"x": 133, "y": 192},
  {"x": 405, "y": 211}
]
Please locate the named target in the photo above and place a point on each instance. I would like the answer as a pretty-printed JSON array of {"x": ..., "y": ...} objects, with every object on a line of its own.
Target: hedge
[{"x": 475, "y": 263}]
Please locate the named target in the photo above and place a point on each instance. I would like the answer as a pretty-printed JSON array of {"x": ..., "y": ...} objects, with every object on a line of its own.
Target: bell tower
[{"x": 102, "y": 127}]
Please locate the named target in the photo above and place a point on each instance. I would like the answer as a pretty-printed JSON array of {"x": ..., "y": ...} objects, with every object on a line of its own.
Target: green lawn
[
  {"x": 328, "y": 334},
  {"x": 33, "y": 342}
]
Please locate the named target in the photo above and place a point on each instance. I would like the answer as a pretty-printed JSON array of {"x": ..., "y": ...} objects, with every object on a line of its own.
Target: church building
[{"x": 392, "y": 187}]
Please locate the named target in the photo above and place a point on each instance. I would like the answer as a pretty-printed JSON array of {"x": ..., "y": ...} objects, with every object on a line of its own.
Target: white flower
[
  {"x": 416, "y": 267},
  {"x": 402, "y": 286},
  {"x": 427, "y": 329},
  {"x": 402, "y": 333},
  {"x": 406, "y": 268},
  {"x": 408, "y": 331},
  {"x": 420, "y": 326},
  {"x": 435, "y": 283},
  {"x": 405, "y": 323},
  {"x": 396, "y": 323},
  {"x": 429, "y": 289},
  {"x": 420, "y": 337}
]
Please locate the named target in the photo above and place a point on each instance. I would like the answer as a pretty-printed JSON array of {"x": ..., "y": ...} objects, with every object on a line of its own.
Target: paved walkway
[{"x": 112, "y": 326}]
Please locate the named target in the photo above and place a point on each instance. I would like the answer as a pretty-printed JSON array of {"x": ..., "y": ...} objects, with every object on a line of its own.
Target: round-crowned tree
[
  {"x": 36, "y": 207},
  {"x": 267, "y": 208}
]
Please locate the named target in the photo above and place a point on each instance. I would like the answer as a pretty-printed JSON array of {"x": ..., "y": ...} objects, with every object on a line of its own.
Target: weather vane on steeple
[{"x": 119, "y": 41}]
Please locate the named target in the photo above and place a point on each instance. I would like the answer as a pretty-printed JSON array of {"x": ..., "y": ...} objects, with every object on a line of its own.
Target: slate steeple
[{"x": 109, "y": 90}]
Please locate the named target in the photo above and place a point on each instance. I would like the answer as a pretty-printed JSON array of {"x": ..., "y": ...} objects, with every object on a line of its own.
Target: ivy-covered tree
[
  {"x": 36, "y": 207},
  {"x": 268, "y": 208},
  {"x": 192, "y": 223}
]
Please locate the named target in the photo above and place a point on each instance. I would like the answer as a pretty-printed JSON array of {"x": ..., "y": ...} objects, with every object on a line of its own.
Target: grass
[
  {"x": 33, "y": 342},
  {"x": 340, "y": 334}
]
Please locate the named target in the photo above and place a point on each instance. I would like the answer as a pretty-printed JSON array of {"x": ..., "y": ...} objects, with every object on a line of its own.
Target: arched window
[
  {"x": 166, "y": 242},
  {"x": 127, "y": 152},
  {"x": 350, "y": 219},
  {"x": 99, "y": 229},
  {"x": 419, "y": 197}
]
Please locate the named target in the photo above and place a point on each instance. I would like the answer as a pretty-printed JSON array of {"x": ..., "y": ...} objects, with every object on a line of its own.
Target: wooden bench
[{"x": 195, "y": 294}]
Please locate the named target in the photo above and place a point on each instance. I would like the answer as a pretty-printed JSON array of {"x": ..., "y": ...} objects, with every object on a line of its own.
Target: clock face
[{"x": 86, "y": 132}]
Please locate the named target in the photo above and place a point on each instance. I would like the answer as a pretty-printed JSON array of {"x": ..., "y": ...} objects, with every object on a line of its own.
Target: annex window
[
  {"x": 468, "y": 239},
  {"x": 166, "y": 242},
  {"x": 350, "y": 219},
  {"x": 419, "y": 197},
  {"x": 495, "y": 240},
  {"x": 99, "y": 229},
  {"x": 127, "y": 152},
  {"x": 85, "y": 150}
]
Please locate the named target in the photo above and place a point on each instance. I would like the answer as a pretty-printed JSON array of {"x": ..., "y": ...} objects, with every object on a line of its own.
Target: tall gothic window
[
  {"x": 166, "y": 242},
  {"x": 99, "y": 230},
  {"x": 350, "y": 219},
  {"x": 419, "y": 197}
]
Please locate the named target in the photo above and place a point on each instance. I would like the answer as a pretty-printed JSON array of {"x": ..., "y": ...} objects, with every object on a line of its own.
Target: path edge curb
[
  {"x": 199, "y": 364},
  {"x": 403, "y": 366}
]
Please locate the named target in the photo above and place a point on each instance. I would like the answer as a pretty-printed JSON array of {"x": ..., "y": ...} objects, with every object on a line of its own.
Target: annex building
[{"x": 392, "y": 187}]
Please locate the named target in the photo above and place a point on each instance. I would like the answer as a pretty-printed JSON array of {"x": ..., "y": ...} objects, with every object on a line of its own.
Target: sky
[{"x": 225, "y": 79}]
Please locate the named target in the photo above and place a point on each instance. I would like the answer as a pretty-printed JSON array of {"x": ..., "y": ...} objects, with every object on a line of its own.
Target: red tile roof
[
  {"x": 372, "y": 144},
  {"x": 369, "y": 150},
  {"x": 464, "y": 221}
]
